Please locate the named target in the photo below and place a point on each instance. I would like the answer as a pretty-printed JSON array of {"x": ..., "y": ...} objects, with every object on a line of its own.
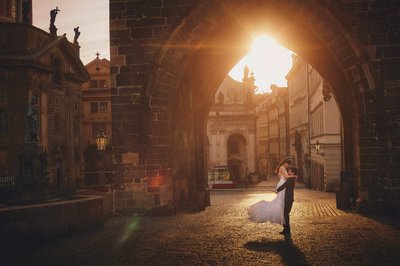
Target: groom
[{"x": 289, "y": 185}]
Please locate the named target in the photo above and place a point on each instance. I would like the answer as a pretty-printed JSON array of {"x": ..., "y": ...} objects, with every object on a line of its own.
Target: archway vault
[{"x": 213, "y": 36}]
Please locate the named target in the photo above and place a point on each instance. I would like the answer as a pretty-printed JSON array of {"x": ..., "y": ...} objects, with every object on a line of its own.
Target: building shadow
[
  {"x": 289, "y": 252},
  {"x": 388, "y": 220}
]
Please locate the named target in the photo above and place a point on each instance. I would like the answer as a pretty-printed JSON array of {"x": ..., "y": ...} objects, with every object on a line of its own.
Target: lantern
[{"x": 101, "y": 140}]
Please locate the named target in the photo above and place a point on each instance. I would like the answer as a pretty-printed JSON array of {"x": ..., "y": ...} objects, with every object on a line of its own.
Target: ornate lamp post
[
  {"x": 101, "y": 140},
  {"x": 317, "y": 146},
  {"x": 101, "y": 143}
]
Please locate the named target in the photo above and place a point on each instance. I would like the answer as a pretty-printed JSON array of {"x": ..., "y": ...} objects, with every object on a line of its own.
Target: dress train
[{"x": 269, "y": 211}]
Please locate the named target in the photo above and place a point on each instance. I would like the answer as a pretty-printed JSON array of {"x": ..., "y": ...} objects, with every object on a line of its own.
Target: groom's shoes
[{"x": 285, "y": 232}]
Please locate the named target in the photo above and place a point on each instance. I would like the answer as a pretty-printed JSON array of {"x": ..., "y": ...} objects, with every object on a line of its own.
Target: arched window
[
  {"x": 236, "y": 156},
  {"x": 58, "y": 72}
]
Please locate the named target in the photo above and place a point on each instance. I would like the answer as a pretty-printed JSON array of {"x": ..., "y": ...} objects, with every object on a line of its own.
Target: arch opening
[
  {"x": 237, "y": 157},
  {"x": 189, "y": 77}
]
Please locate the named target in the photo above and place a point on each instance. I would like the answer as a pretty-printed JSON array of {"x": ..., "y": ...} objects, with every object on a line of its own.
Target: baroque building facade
[
  {"x": 272, "y": 124},
  {"x": 314, "y": 116},
  {"x": 231, "y": 128},
  {"x": 96, "y": 101},
  {"x": 96, "y": 116},
  {"x": 297, "y": 79},
  {"x": 325, "y": 129},
  {"x": 44, "y": 72}
]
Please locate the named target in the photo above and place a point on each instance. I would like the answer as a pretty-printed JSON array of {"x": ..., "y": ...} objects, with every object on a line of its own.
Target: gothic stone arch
[{"x": 167, "y": 68}]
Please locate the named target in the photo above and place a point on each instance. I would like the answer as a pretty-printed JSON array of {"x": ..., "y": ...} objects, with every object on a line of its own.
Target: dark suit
[{"x": 289, "y": 185}]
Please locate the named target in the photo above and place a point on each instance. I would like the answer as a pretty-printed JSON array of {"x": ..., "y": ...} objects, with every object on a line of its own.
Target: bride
[{"x": 272, "y": 211}]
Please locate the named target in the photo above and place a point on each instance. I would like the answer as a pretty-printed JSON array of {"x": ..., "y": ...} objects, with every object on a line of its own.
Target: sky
[
  {"x": 92, "y": 17},
  {"x": 269, "y": 61}
]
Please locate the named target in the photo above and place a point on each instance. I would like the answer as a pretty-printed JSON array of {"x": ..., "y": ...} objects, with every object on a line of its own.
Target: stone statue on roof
[
  {"x": 77, "y": 33},
  {"x": 245, "y": 72},
  {"x": 53, "y": 14}
]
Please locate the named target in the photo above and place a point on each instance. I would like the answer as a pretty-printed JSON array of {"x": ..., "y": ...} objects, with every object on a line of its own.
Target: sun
[{"x": 269, "y": 61}]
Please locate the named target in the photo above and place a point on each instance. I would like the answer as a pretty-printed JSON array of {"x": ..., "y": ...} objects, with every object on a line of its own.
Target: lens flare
[
  {"x": 130, "y": 228},
  {"x": 269, "y": 61}
]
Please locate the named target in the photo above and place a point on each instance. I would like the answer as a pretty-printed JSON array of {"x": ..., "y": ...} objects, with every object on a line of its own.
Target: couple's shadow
[{"x": 289, "y": 252}]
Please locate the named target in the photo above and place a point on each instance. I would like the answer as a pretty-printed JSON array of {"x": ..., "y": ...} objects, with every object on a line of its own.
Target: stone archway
[
  {"x": 199, "y": 51},
  {"x": 218, "y": 43}
]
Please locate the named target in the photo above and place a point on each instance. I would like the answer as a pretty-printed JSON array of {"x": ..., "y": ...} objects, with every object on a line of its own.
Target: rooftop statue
[
  {"x": 53, "y": 14},
  {"x": 77, "y": 33}
]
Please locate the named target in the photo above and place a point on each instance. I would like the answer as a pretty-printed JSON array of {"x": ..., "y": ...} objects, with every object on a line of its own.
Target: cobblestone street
[{"x": 222, "y": 235}]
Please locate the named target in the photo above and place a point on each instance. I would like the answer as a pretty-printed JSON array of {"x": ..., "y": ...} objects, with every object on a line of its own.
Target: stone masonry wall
[
  {"x": 138, "y": 30},
  {"x": 142, "y": 121}
]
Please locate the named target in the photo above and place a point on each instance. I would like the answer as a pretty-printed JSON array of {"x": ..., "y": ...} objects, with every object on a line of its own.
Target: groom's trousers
[{"x": 286, "y": 212}]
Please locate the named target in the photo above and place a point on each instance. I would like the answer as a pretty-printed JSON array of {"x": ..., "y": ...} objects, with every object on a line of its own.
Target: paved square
[{"x": 222, "y": 235}]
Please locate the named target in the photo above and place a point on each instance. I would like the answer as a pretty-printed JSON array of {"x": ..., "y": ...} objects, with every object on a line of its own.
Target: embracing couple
[{"x": 278, "y": 210}]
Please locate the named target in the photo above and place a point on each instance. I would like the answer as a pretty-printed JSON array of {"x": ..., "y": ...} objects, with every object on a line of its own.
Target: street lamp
[
  {"x": 317, "y": 146},
  {"x": 101, "y": 140},
  {"x": 101, "y": 143}
]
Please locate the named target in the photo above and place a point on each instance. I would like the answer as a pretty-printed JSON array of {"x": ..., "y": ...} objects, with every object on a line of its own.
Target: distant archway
[{"x": 237, "y": 157}]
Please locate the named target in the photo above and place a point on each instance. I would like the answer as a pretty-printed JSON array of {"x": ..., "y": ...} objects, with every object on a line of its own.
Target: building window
[
  {"x": 94, "y": 83},
  {"x": 103, "y": 107},
  {"x": 317, "y": 121},
  {"x": 94, "y": 107},
  {"x": 102, "y": 83},
  {"x": 57, "y": 72}
]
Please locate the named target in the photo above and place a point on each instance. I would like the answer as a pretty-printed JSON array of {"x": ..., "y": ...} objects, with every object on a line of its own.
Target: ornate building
[
  {"x": 298, "y": 116},
  {"x": 272, "y": 130},
  {"x": 96, "y": 115},
  {"x": 96, "y": 101},
  {"x": 40, "y": 78},
  {"x": 231, "y": 128},
  {"x": 314, "y": 116},
  {"x": 326, "y": 129}
]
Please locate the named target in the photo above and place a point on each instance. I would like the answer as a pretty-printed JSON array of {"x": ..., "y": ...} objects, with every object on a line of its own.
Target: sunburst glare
[{"x": 269, "y": 61}]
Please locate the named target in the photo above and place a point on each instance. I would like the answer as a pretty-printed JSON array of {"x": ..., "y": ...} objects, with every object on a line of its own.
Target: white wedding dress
[{"x": 269, "y": 211}]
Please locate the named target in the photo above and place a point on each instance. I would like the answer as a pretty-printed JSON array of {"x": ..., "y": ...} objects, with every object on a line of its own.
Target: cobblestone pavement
[{"x": 222, "y": 235}]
